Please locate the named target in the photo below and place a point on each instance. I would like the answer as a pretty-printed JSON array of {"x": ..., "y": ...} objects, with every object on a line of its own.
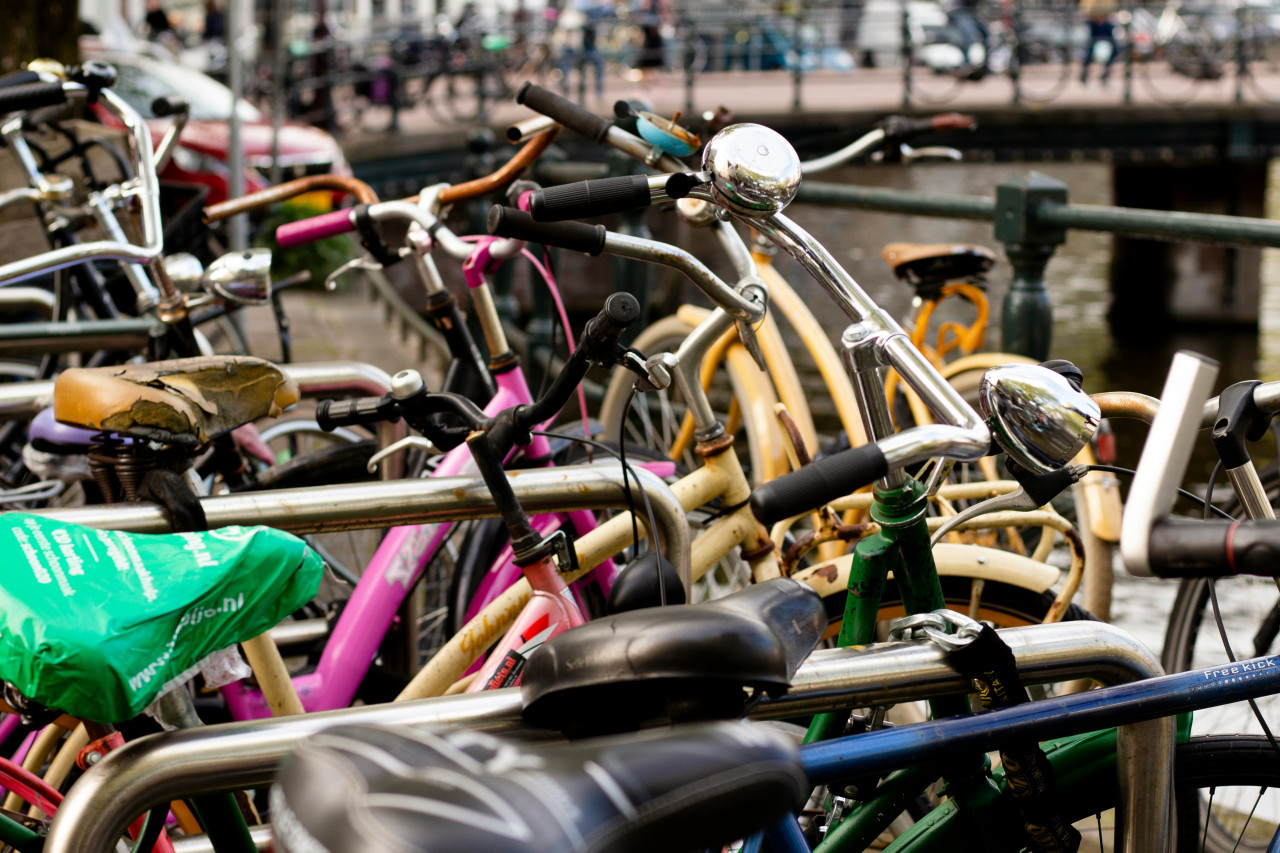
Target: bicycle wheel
[
  {"x": 1182, "y": 67},
  {"x": 1044, "y": 70},
  {"x": 1262, "y": 55},
  {"x": 1225, "y": 796},
  {"x": 1251, "y": 616},
  {"x": 937, "y": 82},
  {"x": 1225, "y": 799},
  {"x": 307, "y": 457}
]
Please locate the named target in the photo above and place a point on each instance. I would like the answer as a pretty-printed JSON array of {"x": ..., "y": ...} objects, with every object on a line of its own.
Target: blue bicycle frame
[{"x": 937, "y": 742}]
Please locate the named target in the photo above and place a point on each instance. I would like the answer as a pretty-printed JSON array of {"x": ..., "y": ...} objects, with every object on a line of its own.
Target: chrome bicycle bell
[
  {"x": 1036, "y": 415},
  {"x": 754, "y": 170},
  {"x": 185, "y": 271},
  {"x": 242, "y": 277}
]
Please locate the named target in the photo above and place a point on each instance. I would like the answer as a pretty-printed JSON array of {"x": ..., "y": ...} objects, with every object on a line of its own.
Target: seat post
[{"x": 219, "y": 814}]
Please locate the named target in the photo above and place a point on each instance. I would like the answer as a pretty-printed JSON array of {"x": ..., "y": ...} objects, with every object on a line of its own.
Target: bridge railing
[
  {"x": 1031, "y": 216},
  {"x": 1164, "y": 53}
]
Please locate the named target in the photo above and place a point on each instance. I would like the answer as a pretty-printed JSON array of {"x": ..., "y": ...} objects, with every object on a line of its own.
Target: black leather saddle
[
  {"x": 683, "y": 662},
  {"x": 928, "y": 266},
  {"x": 402, "y": 790}
]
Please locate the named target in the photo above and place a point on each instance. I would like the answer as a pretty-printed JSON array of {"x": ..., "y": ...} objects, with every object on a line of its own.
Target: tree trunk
[{"x": 39, "y": 28}]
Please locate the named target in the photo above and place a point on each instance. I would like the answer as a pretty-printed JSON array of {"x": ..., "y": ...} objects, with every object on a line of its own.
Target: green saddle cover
[{"x": 96, "y": 622}]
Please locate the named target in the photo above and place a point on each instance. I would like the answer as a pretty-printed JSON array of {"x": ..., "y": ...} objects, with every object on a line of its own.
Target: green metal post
[{"x": 1026, "y": 324}]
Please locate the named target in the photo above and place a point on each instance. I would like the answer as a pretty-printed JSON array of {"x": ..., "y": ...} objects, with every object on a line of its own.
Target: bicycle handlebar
[
  {"x": 509, "y": 171},
  {"x": 892, "y": 129},
  {"x": 354, "y": 187},
  {"x": 599, "y": 344},
  {"x": 145, "y": 187},
  {"x": 818, "y": 483},
  {"x": 303, "y": 231},
  {"x": 574, "y": 236},
  {"x": 30, "y": 96},
  {"x": 564, "y": 111},
  {"x": 584, "y": 199}
]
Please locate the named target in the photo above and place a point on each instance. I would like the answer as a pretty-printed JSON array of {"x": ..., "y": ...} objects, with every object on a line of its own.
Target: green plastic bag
[{"x": 96, "y": 622}]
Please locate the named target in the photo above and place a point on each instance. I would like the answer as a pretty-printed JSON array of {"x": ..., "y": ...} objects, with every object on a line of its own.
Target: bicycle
[{"x": 628, "y": 811}]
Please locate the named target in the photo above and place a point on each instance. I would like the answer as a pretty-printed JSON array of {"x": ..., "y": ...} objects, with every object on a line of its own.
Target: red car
[{"x": 201, "y": 155}]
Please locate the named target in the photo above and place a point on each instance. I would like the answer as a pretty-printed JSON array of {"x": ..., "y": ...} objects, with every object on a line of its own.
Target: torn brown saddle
[{"x": 184, "y": 401}]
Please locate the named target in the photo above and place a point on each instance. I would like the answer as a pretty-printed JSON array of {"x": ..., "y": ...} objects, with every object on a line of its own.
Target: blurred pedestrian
[
  {"x": 157, "y": 20},
  {"x": 579, "y": 29},
  {"x": 215, "y": 22},
  {"x": 975, "y": 38},
  {"x": 651, "y": 18},
  {"x": 1102, "y": 30}
]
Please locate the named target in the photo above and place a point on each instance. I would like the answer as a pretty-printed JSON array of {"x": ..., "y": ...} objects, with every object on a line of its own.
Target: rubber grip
[
  {"x": 293, "y": 234},
  {"x": 574, "y": 236},
  {"x": 29, "y": 96},
  {"x": 167, "y": 105},
  {"x": 818, "y": 483},
  {"x": 620, "y": 310},
  {"x": 18, "y": 78},
  {"x": 563, "y": 110},
  {"x": 331, "y": 414},
  {"x": 590, "y": 198}
]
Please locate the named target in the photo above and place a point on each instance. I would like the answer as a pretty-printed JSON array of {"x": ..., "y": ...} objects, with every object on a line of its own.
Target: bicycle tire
[
  {"x": 1262, "y": 64},
  {"x": 1249, "y": 605},
  {"x": 1181, "y": 72},
  {"x": 1043, "y": 71}
]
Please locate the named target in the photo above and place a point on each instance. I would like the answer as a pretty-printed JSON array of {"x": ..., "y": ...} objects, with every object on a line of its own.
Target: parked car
[{"x": 201, "y": 154}]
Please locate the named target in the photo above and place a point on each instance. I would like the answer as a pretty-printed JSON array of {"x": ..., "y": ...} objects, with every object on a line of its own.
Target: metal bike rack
[{"x": 155, "y": 769}]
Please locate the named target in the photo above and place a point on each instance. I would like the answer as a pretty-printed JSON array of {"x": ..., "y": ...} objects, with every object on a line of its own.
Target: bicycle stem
[{"x": 964, "y": 436}]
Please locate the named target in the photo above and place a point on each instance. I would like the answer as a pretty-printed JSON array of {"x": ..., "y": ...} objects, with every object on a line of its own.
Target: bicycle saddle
[
  {"x": 400, "y": 789},
  {"x": 97, "y": 623},
  {"x": 183, "y": 401},
  {"x": 933, "y": 264},
  {"x": 682, "y": 662}
]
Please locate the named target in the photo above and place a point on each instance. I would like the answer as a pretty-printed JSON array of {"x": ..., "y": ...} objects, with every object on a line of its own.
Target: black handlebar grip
[
  {"x": 818, "y": 483},
  {"x": 590, "y": 198},
  {"x": 1181, "y": 548},
  {"x": 30, "y": 96},
  {"x": 563, "y": 110},
  {"x": 18, "y": 78},
  {"x": 167, "y": 105},
  {"x": 620, "y": 310},
  {"x": 331, "y": 414},
  {"x": 574, "y": 236}
]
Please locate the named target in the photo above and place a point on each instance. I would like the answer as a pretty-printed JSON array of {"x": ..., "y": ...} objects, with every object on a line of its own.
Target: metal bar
[
  {"x": 365, "y": 505},
  {"x": 1137, "y": 222},
  {"x": 27, "y": 299},
  {"x": 215, "y": 758},
  {"x": 74, "y": 336},
  {"x": 896, "y": 201}
]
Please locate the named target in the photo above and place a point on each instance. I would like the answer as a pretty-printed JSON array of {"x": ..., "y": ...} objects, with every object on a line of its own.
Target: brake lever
[
  {"x": 1017, "y": 501},
  {"x": 364, "y": 262},
  {"x": 753, "y": 289},
  {"x": 424, "y": 444}
]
